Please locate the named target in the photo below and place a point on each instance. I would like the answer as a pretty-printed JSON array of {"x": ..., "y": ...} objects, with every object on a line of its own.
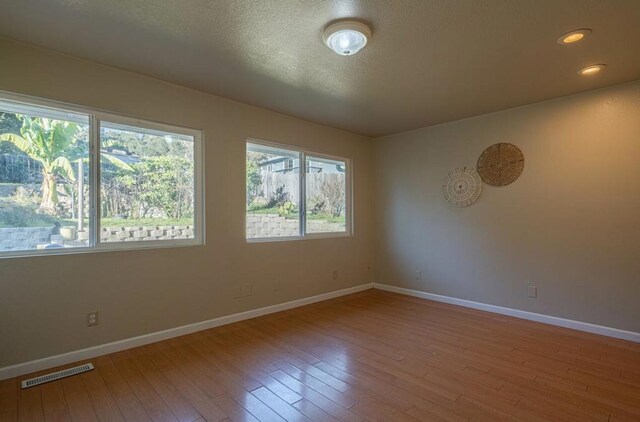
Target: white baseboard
[
  {"x": 116, "y": 346},
  {"x": 532, "y": 316}
]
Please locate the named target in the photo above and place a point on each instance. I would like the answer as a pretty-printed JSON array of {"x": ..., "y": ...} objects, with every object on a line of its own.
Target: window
[
  {"x": 146, "y": 184},
  {"x": 74, "y": 180},
  {"x": 326, "y": 195},
  {"x": 287, "y": 201}
]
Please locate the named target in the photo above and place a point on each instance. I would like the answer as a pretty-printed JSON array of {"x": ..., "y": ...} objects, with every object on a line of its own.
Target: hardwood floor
[{"x": 369, "y": 356}]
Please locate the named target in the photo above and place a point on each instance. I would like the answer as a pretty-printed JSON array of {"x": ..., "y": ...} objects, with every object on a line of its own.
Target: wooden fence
[{"x": 315, "y": 181}]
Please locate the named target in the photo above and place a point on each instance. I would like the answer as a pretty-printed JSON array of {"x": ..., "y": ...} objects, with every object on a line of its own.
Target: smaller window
[{"x": 284, "y": 202}]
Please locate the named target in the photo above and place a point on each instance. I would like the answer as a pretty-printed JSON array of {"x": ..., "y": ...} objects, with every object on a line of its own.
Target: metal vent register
[{"x": 57, "y": 375}]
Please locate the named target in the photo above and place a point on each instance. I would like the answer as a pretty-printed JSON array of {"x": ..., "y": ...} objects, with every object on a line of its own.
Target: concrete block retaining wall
[
  {"x": 25, "y": 238},
  {"x": 272, "y": 225},
  {"x": 258, "y": 225},
  {"x": 21, "y": 238},
  {"x": 132, "y": 234}
]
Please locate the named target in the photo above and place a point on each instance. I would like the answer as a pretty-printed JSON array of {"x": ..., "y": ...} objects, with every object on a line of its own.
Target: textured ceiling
[{"x": 429, "y": 61}]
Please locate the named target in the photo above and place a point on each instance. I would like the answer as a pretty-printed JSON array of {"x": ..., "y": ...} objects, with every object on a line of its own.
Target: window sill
[
  {"x": 310, "y": 236},
  {"x": 104, "y": 247}
]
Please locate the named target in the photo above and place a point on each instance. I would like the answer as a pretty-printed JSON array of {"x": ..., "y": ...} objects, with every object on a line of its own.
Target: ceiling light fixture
[
  {"x": 346, "y": 37},
  {"x": 591, "y": 70},
  {"x": 573, "y": 36}
]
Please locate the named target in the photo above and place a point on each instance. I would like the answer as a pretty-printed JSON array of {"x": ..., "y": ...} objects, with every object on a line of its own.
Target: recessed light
[
  {"x": 573, "y": 36},
  {"x": 591, "y": 70},
  {"x": 346, "y": 37}
]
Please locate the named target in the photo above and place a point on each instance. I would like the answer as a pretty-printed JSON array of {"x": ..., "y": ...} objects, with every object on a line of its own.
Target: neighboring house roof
[
  {"x": 340, "y": 168},
  {"x": 275, "y": 161},
  {"x": 121, "y": 155}
]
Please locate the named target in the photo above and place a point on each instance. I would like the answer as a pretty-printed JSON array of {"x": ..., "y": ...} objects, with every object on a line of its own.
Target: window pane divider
[
  {"x": 302, "y": 200},
  {"x": 94, "y": 181}
]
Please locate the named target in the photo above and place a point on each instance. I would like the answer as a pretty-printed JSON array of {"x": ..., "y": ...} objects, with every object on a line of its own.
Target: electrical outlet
[
  {"x": 335, "y": 274},
  {"x": 418, "y": 275},
  {"x": 92, "y": 319},
  {"x": 533, "y": 291}
]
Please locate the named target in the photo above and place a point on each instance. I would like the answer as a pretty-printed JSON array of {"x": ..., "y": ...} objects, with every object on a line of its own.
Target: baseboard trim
[
  {"x": 532, "y": 316},
  {"x": 116, "y": 346}
]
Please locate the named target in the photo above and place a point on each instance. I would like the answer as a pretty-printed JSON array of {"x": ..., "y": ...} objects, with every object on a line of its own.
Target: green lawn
[
  {"x": 146, "y": 222},
  {"x": 274, "y": 210},
  {"x": 13, "y": 214}
]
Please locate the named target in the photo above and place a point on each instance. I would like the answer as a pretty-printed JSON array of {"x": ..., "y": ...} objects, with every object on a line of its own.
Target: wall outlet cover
[{"x": 92, "y": 319}]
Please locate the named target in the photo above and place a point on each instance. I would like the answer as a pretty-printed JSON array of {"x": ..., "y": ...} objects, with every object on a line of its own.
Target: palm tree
[{"x": 53, "y": 143}]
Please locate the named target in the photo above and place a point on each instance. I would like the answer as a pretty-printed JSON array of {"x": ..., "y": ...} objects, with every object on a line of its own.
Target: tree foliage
[
  {"x": 142, "y": 176},
  {"x": 52, "y": 143},
  {"x": 155, "y": 187},
  {"x": 254, "y": 177}
]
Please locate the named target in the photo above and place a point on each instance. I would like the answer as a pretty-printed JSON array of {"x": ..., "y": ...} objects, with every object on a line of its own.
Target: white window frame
[
  {"x": 95, "y": 119},
  {"x": 303, "y": 154}
]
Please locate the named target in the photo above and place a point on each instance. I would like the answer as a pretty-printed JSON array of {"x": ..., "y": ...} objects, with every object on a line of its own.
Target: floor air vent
[{"x": 57, "y": 375}]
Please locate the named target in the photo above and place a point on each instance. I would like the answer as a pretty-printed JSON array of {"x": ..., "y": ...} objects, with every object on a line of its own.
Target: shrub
[
  {"x": 318, "y": 205},
  {"x": 333, "y": 190},
  {"x": 287, "y": 208},
  {"x": 279, "y": 197},
  {"x": 158, "y": 187},
  {"x": 254, "y": 181}
]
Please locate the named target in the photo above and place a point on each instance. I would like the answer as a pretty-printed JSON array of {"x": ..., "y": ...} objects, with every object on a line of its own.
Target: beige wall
[
  {"x": 570, "y": 224},
  {"x": 44, "y": 300}
]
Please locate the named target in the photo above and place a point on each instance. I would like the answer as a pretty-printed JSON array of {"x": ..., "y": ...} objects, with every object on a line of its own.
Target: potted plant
[{"x": 68, "y": 232}]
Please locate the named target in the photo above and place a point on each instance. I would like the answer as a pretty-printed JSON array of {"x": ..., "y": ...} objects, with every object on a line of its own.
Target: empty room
[{"x": 320, "y": 210}]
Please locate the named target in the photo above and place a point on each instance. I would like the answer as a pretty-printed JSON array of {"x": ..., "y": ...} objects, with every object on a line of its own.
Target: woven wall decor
[
  {"x": 462, "y": 187},
  {"x": 500, "y": 164}
]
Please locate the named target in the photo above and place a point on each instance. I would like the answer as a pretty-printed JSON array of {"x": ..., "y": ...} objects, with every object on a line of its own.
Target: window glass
[
  {"x": 146, "y": 185},
  {"x": 273, "y": 192},
  {"x": 326, "y": 195},
  {"x": 44, "y": 178}
]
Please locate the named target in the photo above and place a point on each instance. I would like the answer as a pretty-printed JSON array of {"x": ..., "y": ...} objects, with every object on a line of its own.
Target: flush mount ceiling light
[
  {"x": 591, "y": 70},
  {"x": 346, "y": 37},
  {"x": 573, "y": 36}
]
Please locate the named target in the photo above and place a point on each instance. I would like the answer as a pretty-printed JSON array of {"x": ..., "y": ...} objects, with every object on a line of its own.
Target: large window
[
  {"x": 75, "y": 180},
  {"x": 288, "y": 201}
]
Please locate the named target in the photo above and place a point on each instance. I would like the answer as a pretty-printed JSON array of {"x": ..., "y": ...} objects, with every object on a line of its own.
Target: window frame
[
  {"x": 95, "y": 117},
  {"x": 303, "y": 154}
]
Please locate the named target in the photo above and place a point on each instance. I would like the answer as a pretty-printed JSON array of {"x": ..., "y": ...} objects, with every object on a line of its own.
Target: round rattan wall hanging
[
  {"x": 462, "y": 187},
  {"x": 500, "y": 164}
]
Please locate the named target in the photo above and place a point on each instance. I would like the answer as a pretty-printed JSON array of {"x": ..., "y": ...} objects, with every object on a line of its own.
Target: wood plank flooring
[{"x": 369, "y": 356}]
